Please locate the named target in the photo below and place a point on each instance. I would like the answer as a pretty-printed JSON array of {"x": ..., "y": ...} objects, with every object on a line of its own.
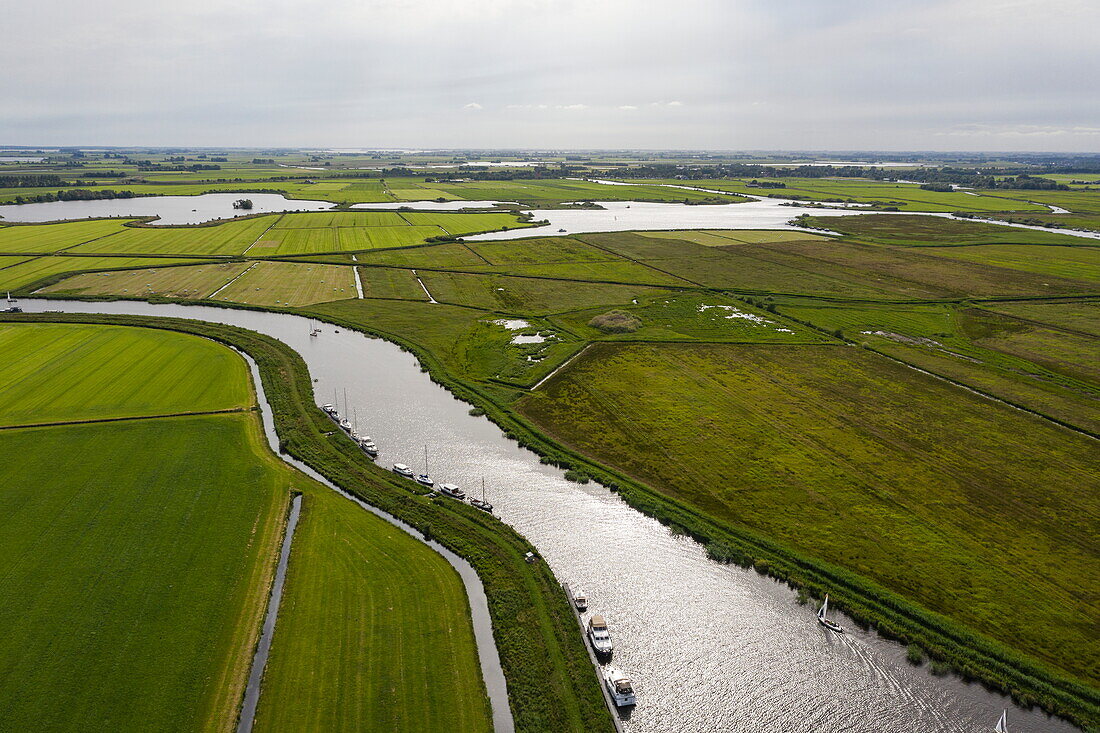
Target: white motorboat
[
  {"x": 402, "y": 470},
  {"x": 329, "y": 408},
  {"x": 824, "y": 620},
  {"x": 599, "y": 636},
  {"x": 581, "y": 602},
  {"x": 620, "y": 687},
  {"x": 452, "y": 491},
  {"x": 345, "y": 424}
]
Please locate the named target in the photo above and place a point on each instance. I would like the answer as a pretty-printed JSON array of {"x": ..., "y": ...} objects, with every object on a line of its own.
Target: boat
[
  {"x": 824, "y": 620},
  {"x": 481, "y": 503},
  {"x": 620, "y": 687},
  {"x": 345, "y": 424},
  {"x": 329, "y": 408},
  {"x": 369, "y": 447},
  {"x": 560, "y": 231},
  {"x": 402, "y": 470},
  {"x": 581, "y": 602},
  {"x": 1002, "y": 723},
  {"x": 423, "y": 478},
  {"x": 599, "y": 636},
  {"x": 452, "y": 491}
]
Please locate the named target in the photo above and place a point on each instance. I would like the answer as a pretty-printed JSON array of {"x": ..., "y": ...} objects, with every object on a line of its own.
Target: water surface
[{"x": 171, "y": 209}]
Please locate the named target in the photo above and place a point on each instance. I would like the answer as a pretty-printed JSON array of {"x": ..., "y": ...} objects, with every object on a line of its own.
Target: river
[{"x": 710, "y": 647}]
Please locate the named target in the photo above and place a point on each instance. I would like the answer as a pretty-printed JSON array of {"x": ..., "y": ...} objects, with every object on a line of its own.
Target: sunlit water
[{"x": 710, "y": 647}]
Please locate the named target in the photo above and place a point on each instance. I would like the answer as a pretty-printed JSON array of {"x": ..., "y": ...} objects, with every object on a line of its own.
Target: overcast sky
[{"x": 713, "y": 74}]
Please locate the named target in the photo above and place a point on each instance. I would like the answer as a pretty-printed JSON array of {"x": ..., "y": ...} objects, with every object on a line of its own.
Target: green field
[
  {"x": 362, "y": 594},
  {"x": 284, "y": 284},
  {"x": 48, "y": 238},
  {"x": 226, "y": 238},
  {"x": 32, "y": 271},
  {"x": 46, "y": 374},
  {"x": 386, "y": 282},
  {"x": 933, "y": 492},
  {"x": 189, "y": 282},
  {"x": 535, "y": 296}
]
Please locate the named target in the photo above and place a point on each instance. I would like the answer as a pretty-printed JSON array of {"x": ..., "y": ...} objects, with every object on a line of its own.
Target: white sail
[
  {"x": 1002, "y": 724},
  {"x": 824, "y": 607}
]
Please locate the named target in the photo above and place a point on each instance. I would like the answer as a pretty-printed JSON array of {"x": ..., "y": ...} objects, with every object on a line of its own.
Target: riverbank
[{"x": 550, "y": 682}]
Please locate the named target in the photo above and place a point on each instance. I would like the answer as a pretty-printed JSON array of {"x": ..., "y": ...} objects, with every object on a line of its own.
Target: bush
[
  {"x": 616, "y": 321},
  {"x": 914, "y": 654},
  {"x": 579, "y": 477}
]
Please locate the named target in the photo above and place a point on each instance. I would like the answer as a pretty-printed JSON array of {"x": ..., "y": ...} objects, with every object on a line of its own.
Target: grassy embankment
[
  {"x": 550, "y": 680},
  {"x": 148, "y": 615}
]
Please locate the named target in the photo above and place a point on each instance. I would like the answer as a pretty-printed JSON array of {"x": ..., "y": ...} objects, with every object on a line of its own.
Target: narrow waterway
[
  {"x": 263, "y": 648},
  {"x": 710, "y": 647}
]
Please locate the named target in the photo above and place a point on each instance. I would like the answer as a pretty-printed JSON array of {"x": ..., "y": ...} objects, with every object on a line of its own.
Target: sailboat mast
[{"x": 425, "y": 459}]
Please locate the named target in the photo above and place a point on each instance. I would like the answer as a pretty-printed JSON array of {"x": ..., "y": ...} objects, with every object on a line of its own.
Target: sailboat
[
  {"x": 424, "y": 479},
  {"x": 824, "y": 620},
  {"x": 313, "y": 330},
  {"x": 1002, "y": 724},
  {"x": 344, "y": 423},
  {"x": 481, "y": 503}
]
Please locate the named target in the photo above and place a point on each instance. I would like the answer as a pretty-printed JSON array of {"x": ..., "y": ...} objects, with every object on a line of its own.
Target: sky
[{"x": 977, "y": 75}]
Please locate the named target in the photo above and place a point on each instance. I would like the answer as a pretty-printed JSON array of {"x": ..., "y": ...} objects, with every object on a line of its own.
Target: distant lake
[
  {"x": 16, "y": 159},
  {"x": 170, "y": 209}
]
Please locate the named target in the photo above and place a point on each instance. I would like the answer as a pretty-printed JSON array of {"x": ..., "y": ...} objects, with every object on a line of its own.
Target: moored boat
[
  {"x": 402, "y": 470},
  {"x": 581, "y": 602},
  {"x": 620, "y": 687},
  {"x": 452, "y": 491},
  {"x": 599, "y": 636},
  {"x": 482, "y": 505}
]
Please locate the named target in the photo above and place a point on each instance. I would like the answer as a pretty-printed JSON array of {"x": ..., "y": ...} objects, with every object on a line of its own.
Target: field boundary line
[
  {"x": 261, "y": 236},
  {"x": 358, "y": 282},
  {"x": 130, "y": 418},
  {"x": 231, "y": 281}
]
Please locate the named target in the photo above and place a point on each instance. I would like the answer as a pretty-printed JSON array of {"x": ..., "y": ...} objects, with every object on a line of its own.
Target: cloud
[
  {"x": 472, "y": 105},
  {"x": 628, "y": 106},
  {"x": 987, "y": 130}
]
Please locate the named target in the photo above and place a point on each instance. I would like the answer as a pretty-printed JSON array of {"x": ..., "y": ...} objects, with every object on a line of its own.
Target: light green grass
[
  {"x": 227, "y": 238},
  {"x": 56, "y": 373},
  {"x": 32, "y": 271},
  {"x": 323, "y": 219},
  {"x": 190, "y": 282},
  {"x": 1071, "y": 263},
  {"x": 388, "y": 282},
  {"x": 360, "y": 595},
  {"x": 283, "y": 284},
  {"x": 47, "y": 238},
  {"x": 458, "y": 224},
  {"x": 136, "y": 557}
]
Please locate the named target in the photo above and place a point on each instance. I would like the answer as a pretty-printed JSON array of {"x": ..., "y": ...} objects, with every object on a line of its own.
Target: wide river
[{"x": 710, "y": 647}]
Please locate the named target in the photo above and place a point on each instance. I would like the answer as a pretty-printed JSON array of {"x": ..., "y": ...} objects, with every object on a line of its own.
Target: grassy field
[
  {"x": 62, "y": 373},
  {"x": 283, "y": 284},
  {"x": 726, "y": 237},
  {"x": 927, "y": 231},
  {"x": 34, "y": 270},
  {"x": 227, "y": 238},
  {"x": 1082, "y": 316},
  {"x": 694, "y": 316},
  {"x": 136, "y": 573},
  {"x": 929, "y": 490},
  {"x": 49, "y": 238},
  {"x": 962, "y": 344},
  {"x": 531, "y": 296},
  {"x": 387, "y": 282},
  {"x": 360, "y": 595},
  {"x": 189, "y": 282},
  {"x": 1069, "y": 263},
  {"x": 334, "y": 219}
]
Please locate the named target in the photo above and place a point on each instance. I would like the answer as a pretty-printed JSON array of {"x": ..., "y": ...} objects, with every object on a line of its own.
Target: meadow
[
  {"x": 362, "y": 594},
  {"x": 185, "y": 281},
  {"x": 285, "y": 284},
  {"x": 934, "y": 493}
]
